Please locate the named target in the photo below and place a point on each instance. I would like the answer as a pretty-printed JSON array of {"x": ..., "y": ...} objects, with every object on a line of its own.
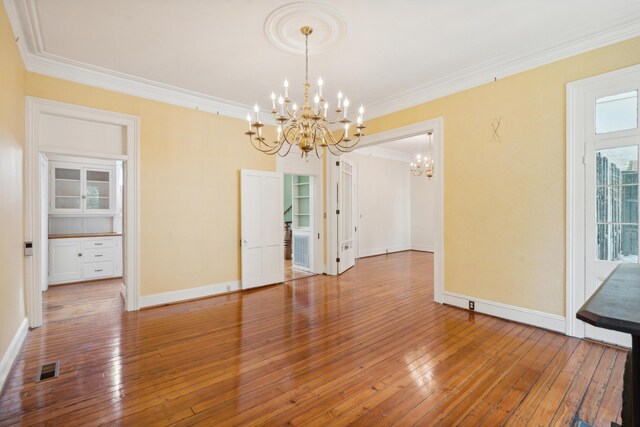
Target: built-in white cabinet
[
  {"x": 85, "y": 258},
  {"x": 65, "y": 260},
  {"x": 77, "y": 188},
  {"x": 302, "y": 230}
]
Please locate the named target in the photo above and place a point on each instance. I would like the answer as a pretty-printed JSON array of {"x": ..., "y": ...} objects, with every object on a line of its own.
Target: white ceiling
[{"x": 389, "y": 54}]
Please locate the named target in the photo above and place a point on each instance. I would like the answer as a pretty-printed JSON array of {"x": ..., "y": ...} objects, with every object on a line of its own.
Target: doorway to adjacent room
[{"x": 299, "y": 230}]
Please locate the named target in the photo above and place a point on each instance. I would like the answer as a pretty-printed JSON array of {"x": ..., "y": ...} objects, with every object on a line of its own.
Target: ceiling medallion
[
  {"x": 306, "y": 126},
  {"x": 283, "y": 24}
]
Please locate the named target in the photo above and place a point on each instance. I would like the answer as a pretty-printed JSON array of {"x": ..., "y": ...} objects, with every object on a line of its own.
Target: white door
[
  {"x": 65, "y": 188},
  {"x": 65, "y": 260},
  {"x": 262, "y": 242},
  {"x": 346, "y": 223},
  {"x": 98, "y": 188},
  {"x": 611, "y": 188}
]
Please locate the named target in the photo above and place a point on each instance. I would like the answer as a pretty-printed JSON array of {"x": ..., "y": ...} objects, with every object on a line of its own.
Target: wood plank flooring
[
  {"x": 367, "y": 348},
  {"x": 65, "y": 302},
  {"x": 291, "y": 274}
]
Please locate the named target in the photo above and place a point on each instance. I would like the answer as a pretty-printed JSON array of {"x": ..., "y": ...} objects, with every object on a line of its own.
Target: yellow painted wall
[
  {"x": 189, "y": 184},
  {"x": 504, "y": 206},
  {"x": 12, "y": 89}
]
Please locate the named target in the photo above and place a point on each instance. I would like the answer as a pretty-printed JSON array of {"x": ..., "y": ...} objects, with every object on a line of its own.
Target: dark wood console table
[{"x": 615, "y": 305}]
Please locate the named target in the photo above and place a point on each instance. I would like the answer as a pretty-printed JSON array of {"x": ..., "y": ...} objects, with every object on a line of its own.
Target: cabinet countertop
[{"x": 78, "y": 236}]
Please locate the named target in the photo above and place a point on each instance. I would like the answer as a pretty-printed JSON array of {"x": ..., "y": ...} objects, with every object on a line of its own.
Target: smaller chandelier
[
  {"x": 307, "y": 125},
  {"x": 424, "y": 165}
]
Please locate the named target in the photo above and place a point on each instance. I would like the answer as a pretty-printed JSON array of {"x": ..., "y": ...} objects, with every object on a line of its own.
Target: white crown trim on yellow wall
[
  {"x": 25, "y": 27},
  {"x": 626, "y": 27}
]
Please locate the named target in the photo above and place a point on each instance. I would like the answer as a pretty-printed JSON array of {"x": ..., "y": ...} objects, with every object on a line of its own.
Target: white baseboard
[
  {"x": 123, "y": 292},
  {"x": 374, "y": 252},
  {"x": 13, "y": 351},
  {"x": 187, "y": 294},
  {"x": 422, "y": 248},
  {"x": 540, "y": 319}
]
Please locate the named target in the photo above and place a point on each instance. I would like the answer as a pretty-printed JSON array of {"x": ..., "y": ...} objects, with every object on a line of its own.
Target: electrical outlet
[{"x": 472, "y": 305}]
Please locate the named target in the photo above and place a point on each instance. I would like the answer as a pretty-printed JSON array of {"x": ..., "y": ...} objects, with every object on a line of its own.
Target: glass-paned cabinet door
[
  {"x": 98, "y": 190},
  {"x": 67, "y": 189}
]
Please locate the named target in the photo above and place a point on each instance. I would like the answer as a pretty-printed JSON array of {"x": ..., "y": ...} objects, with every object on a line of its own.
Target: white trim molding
[
  {"x": 437, "y": 127},
  {"x": 189, "y": 294},
  {"x": 25, "y": 26},
  {"x": 374, "y": 252},
  {"x": 36, "y": 108},
  {"x": 626, "y": 26},
  {"x": 552, "y": 322},
  {"x": 422, "y": 248},
  {"x": 13, "y": 351},
  {"x": 576, "y": 138}
]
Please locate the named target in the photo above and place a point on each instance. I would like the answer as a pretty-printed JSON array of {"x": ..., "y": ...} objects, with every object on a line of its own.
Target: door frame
[
  {"x": 354, "y": 218},
  {"x": 437, "y": 127},
  {"x": 577, "y": 91},
  {"x": 35, "y": 108},
  {"x": 294, "y": 164}
]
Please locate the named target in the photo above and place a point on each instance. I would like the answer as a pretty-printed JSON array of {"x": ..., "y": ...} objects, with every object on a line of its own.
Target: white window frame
[{"x": 577, "y": 93}]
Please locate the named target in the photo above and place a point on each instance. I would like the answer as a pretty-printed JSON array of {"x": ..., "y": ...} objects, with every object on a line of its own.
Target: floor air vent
[{"x": 48, "y": 371}]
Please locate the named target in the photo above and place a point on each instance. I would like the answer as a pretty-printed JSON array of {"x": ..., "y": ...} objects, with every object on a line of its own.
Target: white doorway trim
[
  {"x": 295, "y": 165},
  {"x": 577, "y": 93},
  {"x": 437, "y": 127},
  {"x": 35, "y": 109}
]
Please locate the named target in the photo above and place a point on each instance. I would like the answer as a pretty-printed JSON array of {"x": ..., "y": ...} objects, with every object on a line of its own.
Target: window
[
  {"x": 617, "y": 204},
  {"x": 617, "y": 112}
]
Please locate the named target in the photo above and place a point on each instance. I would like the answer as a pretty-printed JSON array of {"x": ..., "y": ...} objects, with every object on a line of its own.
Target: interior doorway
[
  {"x": 333, "y": 176},
  {"x": 394, "y": 203},
  {"x": 299, "y": 226},
  {"x": 73, "y": 132},
  {"x": 82, "y": 225},
  {"x": 603, "y": 153}
]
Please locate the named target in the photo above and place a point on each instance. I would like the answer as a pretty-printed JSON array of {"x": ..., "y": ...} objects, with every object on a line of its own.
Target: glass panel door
[
  {"x": 617, "y": 204},
  {"x": 612, "y": 149},
  {"x": 98, "y": 188},
  {"x": 67, "y": 189}
]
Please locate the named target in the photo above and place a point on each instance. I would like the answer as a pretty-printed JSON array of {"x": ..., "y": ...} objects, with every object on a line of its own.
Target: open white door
[
  {"x": 261, "y": 199},
  {"x": 346, "y": 227},
  {"x": 612, "y": 152}
]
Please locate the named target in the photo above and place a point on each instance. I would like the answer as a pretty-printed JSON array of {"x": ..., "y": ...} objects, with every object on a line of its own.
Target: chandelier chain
[{"x": 306, "y": 57}]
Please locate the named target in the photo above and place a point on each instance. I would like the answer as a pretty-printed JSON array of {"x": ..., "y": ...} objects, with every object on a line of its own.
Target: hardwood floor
[
  {"x": 291, "y": 274},
  {"x": 66, "y": 302},
  {"x": 367, "y": 348}
]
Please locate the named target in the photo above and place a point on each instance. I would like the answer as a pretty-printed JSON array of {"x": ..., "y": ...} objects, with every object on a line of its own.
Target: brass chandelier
[
  {"x": 424, "y": 165},
  {"x": 308, "y": 126}
]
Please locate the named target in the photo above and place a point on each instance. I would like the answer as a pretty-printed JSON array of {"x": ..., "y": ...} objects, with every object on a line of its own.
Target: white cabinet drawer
[
  {"x": 98, "y": 255},
  {"x": 95, "y": 270},
  {"x": 107, "y": 242}
]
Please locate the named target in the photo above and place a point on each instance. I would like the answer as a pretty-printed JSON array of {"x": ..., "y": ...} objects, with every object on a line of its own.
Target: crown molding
[
  {"x": 106, "y": 79},
  {"x": 625, "y": 27},
  {"x": 24, "y": 22},
  {"x": 23, "y": 18}
]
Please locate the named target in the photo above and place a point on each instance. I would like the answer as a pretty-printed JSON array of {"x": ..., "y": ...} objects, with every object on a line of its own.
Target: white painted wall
[
  {"x": 423, "y": 198},
  {"x": 384, "y": 204}
]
